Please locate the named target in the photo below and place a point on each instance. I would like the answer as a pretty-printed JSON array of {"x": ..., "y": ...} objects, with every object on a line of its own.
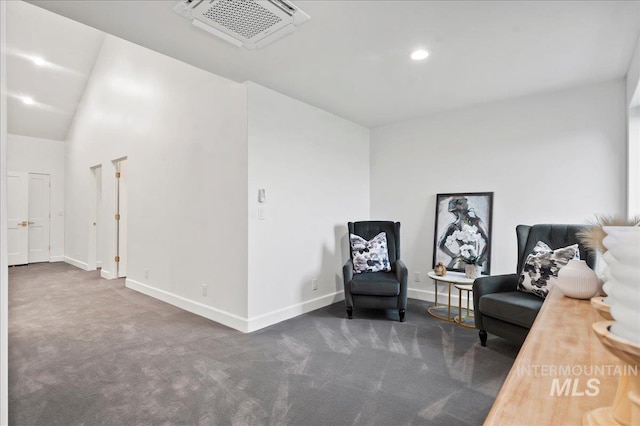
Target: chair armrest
[
  {"x": 495, "y": 284},
  {"x": 488, "y": 285},
  {"x": 403, "y": 277},
  {"x": 347, "y": 271},
  {"x": 347, "y": 276},
  {"x": 401, "y": 270}
]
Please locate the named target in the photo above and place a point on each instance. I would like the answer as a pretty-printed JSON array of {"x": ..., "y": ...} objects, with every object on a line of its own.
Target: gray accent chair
[
  {"x": 499, "y": 307},
  {"x": 378, "y": 290}
]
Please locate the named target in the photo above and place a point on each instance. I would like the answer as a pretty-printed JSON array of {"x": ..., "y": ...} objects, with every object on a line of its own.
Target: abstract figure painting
[{"x": 463, "y": 230}]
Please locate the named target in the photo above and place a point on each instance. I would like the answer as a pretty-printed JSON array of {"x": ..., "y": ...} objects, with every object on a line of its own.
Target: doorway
[
  {"x": 96, "y": 227},
  {"x": 121, "y": 218},
  {"x": 28, "y": 217},
  {"x": 108, "y": 219},
  {"x": 39, "y": 217}
]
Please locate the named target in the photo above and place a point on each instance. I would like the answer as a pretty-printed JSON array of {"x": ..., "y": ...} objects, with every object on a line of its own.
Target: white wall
[
  {"x": 35, "y": 155},
  {"x": 633, "y": 74},
  {"x": 4, "y": 307},
  {"x": 633, "y": 101},
  {"x": 633, "y": 191},
  {"x": 183, "y": 131},
  {"x": 549, "y": 158},
  {"x": 315, "y": 169}
]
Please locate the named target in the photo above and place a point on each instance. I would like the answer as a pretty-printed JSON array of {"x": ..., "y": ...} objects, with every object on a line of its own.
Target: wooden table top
[{"x": 560, "y": 347}]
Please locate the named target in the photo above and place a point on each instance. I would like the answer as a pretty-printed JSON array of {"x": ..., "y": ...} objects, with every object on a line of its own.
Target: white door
[
  {"x": 94, "y": 259},
  {"x": 98, "y": 217},
  {"x": 17, "y": 217},
  {"x": 122, "y": 222},
  {"x": 39, "y": 217}
]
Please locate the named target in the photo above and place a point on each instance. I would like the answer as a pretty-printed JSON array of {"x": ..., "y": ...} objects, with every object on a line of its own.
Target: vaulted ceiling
[
  {"x": 49, "y": 59},
  {"x": 352, "y": 57}
]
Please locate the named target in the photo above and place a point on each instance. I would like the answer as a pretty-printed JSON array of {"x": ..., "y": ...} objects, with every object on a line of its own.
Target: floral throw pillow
[
  {"x": 370, "y": 256},
  {"x": 542, "y": 266}
]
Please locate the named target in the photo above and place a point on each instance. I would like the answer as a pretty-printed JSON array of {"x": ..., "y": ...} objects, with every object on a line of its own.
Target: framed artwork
[{"x": 463, "y": 230}]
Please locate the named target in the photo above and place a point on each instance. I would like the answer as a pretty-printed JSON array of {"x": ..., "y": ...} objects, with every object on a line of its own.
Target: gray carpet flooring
[{"x": 87, "y": 351}]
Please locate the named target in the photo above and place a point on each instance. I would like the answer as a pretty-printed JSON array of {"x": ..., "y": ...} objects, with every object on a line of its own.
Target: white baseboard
[
  {"x": 416, "y": 293},
  {"x": 231, "y": 320},
  {"x": 430, "y": 296},
  {"x": 217, "y": 315},
  {"x": 106, "y": 274},
  {"x": 56, "y": 259},
  {"x": 261, "y": 321},
  {"x": 76, "y": 263},
  {"x": 279, "y": 315}
]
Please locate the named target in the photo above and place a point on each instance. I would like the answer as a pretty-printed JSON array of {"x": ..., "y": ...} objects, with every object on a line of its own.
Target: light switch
[{"x": 261, "y": 213}]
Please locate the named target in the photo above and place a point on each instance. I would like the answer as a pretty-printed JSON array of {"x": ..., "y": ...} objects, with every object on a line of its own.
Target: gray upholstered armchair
[
  {"x": 499, "y": 308},
  {"x": 380, "y": 290}
]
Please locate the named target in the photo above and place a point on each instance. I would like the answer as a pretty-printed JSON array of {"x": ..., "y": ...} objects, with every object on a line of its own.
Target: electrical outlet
[
  {"x": 314, "y": 284},
  {"x": 416, "y": 277},
  {"x": 146, "y": 274},
  {"x": 204, "y": 289}
]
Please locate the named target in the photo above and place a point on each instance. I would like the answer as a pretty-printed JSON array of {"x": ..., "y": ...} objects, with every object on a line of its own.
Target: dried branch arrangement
[{"x": 593, "y": 234}]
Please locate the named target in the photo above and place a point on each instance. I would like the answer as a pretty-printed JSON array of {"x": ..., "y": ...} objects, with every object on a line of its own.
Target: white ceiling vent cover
[{"x": 244, "y": 23}]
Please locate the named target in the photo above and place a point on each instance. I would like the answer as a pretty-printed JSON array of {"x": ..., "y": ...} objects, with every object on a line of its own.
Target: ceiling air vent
[{"x": 244, "y": 23}]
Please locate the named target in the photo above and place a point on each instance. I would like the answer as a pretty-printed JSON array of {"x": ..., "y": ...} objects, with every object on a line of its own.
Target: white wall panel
[
  {"x": 183, "y": 131},
  {"x": 46, "y": 156},
  {"x": 314, "y": 167},
  {"x": 4, "y": 306},
  {"x": 549, "y": 158}
]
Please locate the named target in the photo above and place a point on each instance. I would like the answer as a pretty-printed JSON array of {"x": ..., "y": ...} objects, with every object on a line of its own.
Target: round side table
[
  {"x": 464, "y": 318},
  {"x": 447, "y": 312}
]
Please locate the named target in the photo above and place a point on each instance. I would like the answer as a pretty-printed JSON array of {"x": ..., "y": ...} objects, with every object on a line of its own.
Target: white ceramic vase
[
  {"x": 472, "y": 271},
  {"x": 577, "y": 280},
  {"x": 623, "y": 257},
  {"x": 609, "y": 260},
  {"x": 599, "y": 266}
]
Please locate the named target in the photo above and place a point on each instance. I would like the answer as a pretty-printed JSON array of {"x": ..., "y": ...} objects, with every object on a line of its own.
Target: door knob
[{"x": 23, "y": 223}]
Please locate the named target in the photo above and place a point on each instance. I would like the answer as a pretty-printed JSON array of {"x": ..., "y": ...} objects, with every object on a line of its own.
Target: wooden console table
[{"x": 561, "y": 338}]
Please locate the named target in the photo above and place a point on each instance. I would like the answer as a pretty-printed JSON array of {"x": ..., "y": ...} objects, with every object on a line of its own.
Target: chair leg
[
  {"x": 402, "y": 311},
  {"x": 483, "y": 338},
  {"x": 350, "y": 313}
]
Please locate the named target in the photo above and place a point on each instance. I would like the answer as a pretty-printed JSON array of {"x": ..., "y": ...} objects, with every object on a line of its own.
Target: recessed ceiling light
[
  {"x": 28, "y": 100},
  {"x": 419, "y": 55},
  {"x": 39, "y": 61}
]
